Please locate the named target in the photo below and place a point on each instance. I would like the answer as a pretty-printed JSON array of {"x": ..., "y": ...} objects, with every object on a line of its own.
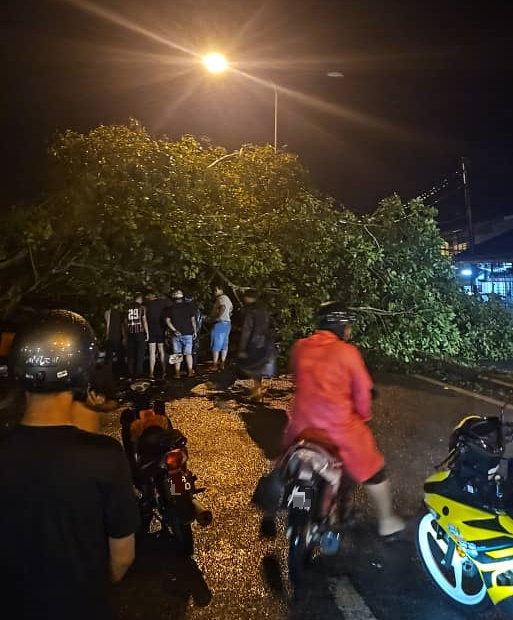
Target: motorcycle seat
[
  {"x": 155, "y": 441},
  {"x": 320, "y": 439}
]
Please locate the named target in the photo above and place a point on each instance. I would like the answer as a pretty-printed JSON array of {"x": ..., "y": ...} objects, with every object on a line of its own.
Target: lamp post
[
  {"x": 216, "y": 63},
  {"x": 275, "y": 117}
]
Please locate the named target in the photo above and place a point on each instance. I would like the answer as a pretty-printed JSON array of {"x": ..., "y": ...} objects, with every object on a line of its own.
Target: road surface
[{"x": 234, "y": 575}]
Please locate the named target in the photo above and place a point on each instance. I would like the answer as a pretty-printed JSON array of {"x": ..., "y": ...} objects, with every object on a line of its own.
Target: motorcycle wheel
[
  {"x": 182, "y": 534},
  {"x": 299, "y": 554},
  {"x": 461, "y": 582}
]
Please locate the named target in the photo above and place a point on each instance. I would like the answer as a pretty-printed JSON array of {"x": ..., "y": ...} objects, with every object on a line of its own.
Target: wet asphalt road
[{"x": 234, "y": 575}]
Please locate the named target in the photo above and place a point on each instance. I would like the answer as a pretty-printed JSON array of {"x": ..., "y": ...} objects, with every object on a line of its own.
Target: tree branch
[
  {"x": 8, "y": 262},
  {"x": 381, "y": 312},
  {"x": 373, "y": 237},
  {"x": 227, "y": 156},
  {"x": 32, "y": 262}
]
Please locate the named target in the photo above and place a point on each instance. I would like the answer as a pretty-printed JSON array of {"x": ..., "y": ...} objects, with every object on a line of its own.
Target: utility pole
[{"x": 468, "y": 208}]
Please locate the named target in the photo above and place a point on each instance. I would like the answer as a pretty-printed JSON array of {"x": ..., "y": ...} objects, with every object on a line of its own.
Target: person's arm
[
  {"x": 217, "y": 310},
  {"x": 107, "y": 323},
  {"x": 121, "y": 514},
  {"x": 145, "y": 323},
  {"x": 220, "y": 311},
  {"x": 194, "y": 326},
  {"x": 171, "y": 326},
  {"x": 122, "y": 555}
]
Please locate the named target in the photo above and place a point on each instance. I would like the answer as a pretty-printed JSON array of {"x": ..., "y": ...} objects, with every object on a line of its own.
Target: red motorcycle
[{"x": 158, "y": 456}]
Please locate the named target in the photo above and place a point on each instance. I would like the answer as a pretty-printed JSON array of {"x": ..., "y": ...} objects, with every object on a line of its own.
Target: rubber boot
[{"x": 388, "y": 522}]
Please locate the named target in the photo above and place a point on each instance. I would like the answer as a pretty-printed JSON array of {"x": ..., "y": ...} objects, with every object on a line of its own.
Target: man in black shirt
[
  {"x": 68, "y": 512},
  {"x": 155, "y": 307},
  {"x": 136, "y": 328},
  {"x": 181, "y": 320}
]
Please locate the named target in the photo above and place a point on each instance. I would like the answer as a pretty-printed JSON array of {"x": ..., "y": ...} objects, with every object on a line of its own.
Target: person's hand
[
  {"x": 99, "y": 402},
  {"x": 177, "y": 333},
  {"x": 94, "y": 400}
]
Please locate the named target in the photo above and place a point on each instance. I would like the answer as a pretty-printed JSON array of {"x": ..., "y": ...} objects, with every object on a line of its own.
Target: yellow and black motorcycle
[{"x": 465, "y": 537}]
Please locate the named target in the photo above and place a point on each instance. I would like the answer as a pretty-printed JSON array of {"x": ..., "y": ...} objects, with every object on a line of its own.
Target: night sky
[{"x": 424, "y": 84}]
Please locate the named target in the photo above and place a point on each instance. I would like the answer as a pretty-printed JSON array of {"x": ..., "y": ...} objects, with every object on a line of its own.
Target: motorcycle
[
  {"x": 158, "y": 456},
  {"x": 465, "y": 535},
  {"x": 308, "y": 483}
]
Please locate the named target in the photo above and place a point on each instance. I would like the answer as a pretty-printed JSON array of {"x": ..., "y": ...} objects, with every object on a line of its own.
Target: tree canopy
[{"x": 125, "y": 211}]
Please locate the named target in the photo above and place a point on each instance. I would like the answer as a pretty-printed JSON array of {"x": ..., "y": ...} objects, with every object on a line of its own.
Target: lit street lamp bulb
[{"x": 215, "y": 63}]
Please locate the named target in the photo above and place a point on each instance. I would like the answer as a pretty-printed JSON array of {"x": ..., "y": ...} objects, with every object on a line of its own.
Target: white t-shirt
[{"x": 223, "y": 300}]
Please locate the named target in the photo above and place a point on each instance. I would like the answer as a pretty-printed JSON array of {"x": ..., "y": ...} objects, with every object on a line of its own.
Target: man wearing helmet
[
  {"x": 68, "y": 510},
  {"x": 332, "y": 404}
]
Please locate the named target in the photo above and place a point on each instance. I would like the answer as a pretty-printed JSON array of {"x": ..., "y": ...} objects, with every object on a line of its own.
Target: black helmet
[
  {"x": 55, "y": 352},
  {"x": 332, "y": 315}
]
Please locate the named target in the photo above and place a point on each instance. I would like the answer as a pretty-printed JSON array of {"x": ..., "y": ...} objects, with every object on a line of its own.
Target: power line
[{"x": 436, "y": 189}]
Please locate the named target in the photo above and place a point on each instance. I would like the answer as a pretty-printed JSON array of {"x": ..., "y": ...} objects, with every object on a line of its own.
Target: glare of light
[
  {"x": 215, "y": 63},
  {"x": 466, "y": 272},
  {"x": 335, "y": 74}
]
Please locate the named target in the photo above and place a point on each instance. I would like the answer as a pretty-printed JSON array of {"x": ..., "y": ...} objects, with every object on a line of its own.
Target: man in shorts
[
  {"x": 155, "y": 307},
  {"x": 181, "y": 319},
  {"x": 220, "y": 334}
]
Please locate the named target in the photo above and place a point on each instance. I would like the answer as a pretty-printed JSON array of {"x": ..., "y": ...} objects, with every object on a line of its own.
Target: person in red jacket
[{"x": 332, "y": 404}]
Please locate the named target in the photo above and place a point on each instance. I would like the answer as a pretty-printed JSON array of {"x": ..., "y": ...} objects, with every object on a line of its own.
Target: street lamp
[{"x": 217, "y": 63}]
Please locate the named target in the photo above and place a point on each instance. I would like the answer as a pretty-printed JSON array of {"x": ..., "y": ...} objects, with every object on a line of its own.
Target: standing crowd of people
[
  {"x": 147, "y": 324},
  {"x": 138, "y": 329}
]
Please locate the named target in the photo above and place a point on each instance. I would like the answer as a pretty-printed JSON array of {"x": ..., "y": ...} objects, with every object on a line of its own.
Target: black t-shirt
[
  {"x": 134, "y": 318},
  {"x": 181, "y": 314},
  {"x": 154, "y": 313},
  {"x": 64, "y": 492}
]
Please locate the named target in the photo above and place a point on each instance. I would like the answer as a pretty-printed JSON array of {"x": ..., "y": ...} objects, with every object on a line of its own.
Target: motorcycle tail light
[{"x": 174, "y": 459}]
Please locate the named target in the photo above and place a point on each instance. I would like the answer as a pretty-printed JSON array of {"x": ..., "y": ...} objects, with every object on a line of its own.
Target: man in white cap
[{"x": 181, "y": 320}]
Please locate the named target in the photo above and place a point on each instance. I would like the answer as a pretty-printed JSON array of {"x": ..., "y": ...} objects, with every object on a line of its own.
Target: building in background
[
  {"x": 482, "y": 250},
  {"x": 457, "y": 240},
  {"x": 489, "y": 268}
]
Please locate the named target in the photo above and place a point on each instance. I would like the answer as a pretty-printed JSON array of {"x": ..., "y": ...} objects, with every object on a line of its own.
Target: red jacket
[{"x": 332, "y": 401}]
